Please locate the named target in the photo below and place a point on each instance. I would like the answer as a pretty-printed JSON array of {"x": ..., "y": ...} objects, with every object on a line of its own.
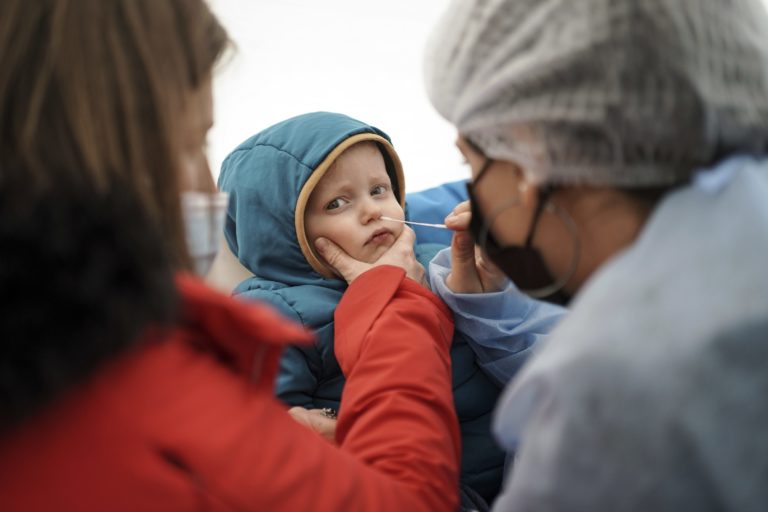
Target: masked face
[
  {"x": 203, "y": 209},
  {"x": 523, "y": 263}
]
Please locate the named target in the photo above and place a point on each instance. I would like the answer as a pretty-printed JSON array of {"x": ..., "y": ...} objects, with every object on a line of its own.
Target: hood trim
[{"x": 317, "y": 264}]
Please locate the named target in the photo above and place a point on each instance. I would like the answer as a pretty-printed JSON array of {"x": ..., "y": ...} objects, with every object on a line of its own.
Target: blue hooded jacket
[{"x": 268, "y": 179}]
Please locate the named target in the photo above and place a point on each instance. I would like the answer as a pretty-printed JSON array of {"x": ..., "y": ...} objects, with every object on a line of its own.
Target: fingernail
[
  {"x": 451, "y": 218},
  {"x": 321, "y": 244},
  {"x": 464, "y": 240}
]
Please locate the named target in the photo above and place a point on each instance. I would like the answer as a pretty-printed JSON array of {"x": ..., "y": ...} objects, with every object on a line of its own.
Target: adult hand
[
  {"x": 316, "y": 420},
  {"x": 471, "y": 271},
  {"x": 400, "y": 255}
]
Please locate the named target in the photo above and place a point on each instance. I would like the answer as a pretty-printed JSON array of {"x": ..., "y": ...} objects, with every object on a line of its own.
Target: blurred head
[
  {"x": 622, "y": 93},
  {"x": 109, "y": 93},
  {"x": 606, "y": 105},
  {"x": 347, "y": 203},
  {"x": 104, "y": 108}
]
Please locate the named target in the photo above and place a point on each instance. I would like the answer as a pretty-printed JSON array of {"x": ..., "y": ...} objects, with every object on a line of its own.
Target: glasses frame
[{"x": 481, "y": 229}]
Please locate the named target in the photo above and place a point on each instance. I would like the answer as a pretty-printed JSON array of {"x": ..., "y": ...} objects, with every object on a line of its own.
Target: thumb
[{"x": 406, "y": 239}]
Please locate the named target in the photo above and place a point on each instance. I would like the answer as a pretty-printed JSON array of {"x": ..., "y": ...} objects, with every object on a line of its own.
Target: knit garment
[{"x": 626, "y": 93}]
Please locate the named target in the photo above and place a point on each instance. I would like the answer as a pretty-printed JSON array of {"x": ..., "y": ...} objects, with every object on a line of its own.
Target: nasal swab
[{"x": 441, "y": 226}]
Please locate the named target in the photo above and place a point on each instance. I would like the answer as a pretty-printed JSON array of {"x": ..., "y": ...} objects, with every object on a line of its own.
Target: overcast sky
[{"x": 357, "y": 57}]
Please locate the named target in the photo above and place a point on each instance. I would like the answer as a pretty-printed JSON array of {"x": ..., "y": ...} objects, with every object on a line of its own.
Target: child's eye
[
  {"x": 378, "y": 190},
  {"x": 336, "y": 203}
]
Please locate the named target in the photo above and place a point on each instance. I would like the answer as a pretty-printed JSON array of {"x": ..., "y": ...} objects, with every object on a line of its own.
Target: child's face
[{"x": 347, "y": 203}]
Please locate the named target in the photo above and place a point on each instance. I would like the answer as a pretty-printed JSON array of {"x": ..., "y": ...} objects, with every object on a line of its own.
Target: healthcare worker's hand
[
  {"x": 400, "y": 255},
  {"x": 317, "y": 420},
  {"x": 471, "y": 271}
]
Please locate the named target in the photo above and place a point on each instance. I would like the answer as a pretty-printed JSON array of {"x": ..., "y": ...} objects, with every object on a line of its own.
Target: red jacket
[{"x": 190, "y": 423}]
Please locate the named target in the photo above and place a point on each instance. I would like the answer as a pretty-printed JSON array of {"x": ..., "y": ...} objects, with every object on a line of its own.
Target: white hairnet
[{"x": 605, "y": 92}]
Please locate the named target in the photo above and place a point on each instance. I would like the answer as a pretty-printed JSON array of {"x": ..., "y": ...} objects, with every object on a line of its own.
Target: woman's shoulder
[{"x": 160, "y": 409}]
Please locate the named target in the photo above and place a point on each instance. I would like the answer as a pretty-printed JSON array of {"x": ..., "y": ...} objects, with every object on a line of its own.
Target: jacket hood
[{"x": 270, "y": 177}]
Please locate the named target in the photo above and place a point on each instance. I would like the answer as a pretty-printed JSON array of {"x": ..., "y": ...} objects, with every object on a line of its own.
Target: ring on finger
[{"x": 329, "y": 413}]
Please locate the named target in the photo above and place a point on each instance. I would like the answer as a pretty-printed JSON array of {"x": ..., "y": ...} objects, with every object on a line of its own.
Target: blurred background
[{"x": 357, "y": 57}]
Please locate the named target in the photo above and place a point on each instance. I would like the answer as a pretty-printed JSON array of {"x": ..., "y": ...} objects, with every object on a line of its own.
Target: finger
[
  {"x": 299, "y": 414},
  {"x": 485, "y": 263},
  {"x": 458, "y": 221},
  {"x": 296, "y": 411},
  {"x": 406, "y": 239},
  {"x": 315, "y": 420},
  {"x": 346, "y": 266},
  {"x": 461, "y": 208},
  {"x": 401, "y": 255},
  {"x": 491, "y": 277},
  {"x": 463, "y": 277},
  {"x": 462, "y": 249},
  {"x": 417, "y": 272},
  {"x": 404, "y": 244},
  {"x": 322, "y": 424}
]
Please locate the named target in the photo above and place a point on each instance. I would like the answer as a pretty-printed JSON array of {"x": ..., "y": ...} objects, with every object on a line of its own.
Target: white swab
[{"x": 441, "y": 226}]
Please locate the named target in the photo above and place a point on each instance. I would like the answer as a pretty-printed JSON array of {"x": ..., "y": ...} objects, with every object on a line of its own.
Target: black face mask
[{"x": 524, "y": 265}]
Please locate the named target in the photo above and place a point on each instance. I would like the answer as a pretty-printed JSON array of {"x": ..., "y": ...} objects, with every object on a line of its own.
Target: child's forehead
[
  {"x": 363, "y": 153},
  {"x": 360, "y": 162}
]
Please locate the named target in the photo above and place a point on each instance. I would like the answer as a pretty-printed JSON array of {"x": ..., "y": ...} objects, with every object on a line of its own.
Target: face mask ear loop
[
  {"x": 485, "y": 229},
  {"x": 570, "y": 226},
  {"x": 543, "y": 198},
  {"x": 545, "y": 205},
  {"x": 483, "y": 169}
]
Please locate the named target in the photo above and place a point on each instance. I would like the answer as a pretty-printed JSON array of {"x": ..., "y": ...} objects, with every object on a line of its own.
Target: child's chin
[{"x": 375, "y": 255}]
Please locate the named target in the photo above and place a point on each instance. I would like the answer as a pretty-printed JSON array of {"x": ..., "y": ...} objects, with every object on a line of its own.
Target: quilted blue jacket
[{"x": 264, "y": 177}]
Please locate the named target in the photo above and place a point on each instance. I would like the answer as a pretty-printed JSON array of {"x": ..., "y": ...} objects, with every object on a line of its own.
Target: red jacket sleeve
[
  {"x": 397, "y": 414},
  {"x": 397, "y": 428},
  {"x": 175, "y": 427}
]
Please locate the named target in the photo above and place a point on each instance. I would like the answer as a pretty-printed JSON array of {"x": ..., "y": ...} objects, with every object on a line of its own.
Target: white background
[{"x": 357, "y": 57}]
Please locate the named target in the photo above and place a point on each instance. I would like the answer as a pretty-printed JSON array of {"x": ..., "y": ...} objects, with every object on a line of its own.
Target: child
[{"x": 328, "y": 175}]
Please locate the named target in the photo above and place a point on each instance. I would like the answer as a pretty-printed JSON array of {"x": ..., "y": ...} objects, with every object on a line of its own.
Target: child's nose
[{"x": 371, "y": 211}]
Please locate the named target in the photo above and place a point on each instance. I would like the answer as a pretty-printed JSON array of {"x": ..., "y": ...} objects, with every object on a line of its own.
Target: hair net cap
[{"x": 624, "y": 93}]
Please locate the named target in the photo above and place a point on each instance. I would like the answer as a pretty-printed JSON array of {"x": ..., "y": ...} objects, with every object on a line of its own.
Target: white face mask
[{"x": 203, "y": 216}]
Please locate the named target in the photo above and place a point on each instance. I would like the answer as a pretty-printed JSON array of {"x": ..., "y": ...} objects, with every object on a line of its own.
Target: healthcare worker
[{"x": 618, "y": 156}]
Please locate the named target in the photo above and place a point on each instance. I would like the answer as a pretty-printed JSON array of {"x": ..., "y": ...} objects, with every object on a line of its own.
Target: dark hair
[{"x": 91, "y": 97}]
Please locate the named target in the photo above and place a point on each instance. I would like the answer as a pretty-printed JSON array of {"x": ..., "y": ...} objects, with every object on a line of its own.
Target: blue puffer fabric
[
  {"x": 432, "y": 206},
  {"x": 264, "y": 177}
]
